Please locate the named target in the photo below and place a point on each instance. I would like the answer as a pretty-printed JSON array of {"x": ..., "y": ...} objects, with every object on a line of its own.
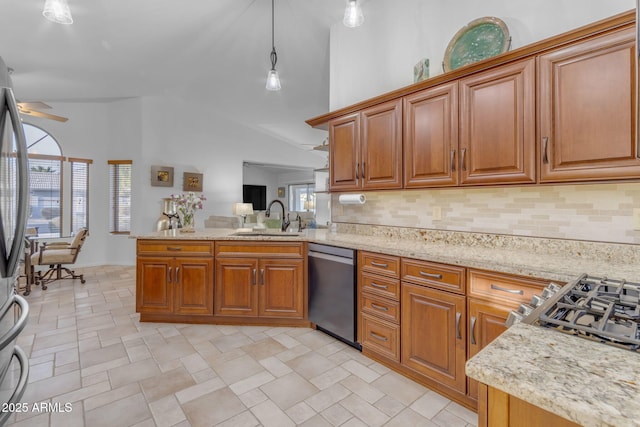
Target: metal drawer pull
[
  {"x": 545, "y": 156},
  {"x": 262, "y": 276},
  {"x": 378, "y": 337},
  {"x": 357, "y": 170},
  {"x": 458, "y": 333},
  {"x": 363, "y": 176},
  {"x": 377, "y": 264},
  {"x": 453, "y": 160},
  {"x": 253, "y": 276},
  {"x": 473, "y": 330},
  {"x": 375, "y": 285},
  {"x": 174, "y": 248},
  {"x": 379, "y": 307},
  {"x": 176, "y": 275},
  {"x": 511, "y": 291},
  {"x": 169, "y": 275},
  {"x": 431, "y": 275}
]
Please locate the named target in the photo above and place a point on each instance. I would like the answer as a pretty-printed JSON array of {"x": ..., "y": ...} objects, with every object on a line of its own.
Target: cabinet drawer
[
  {"x": 253, "y": 249},
  {"x": 381, "y": 337},
  {"x": 386, "y": 265},
  {"x": 445, "y": 277},
  {"x": 380, "y": 307},
  {"x": 503, "y": 287},
  {"x": 175, "y": 248},
  {"x": 380, "y": 285}
]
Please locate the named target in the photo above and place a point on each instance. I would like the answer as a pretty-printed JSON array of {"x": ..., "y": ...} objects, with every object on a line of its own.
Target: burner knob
[
  {"x": 547, "y": 293},
  {"x": 513, "y": 318},
  {"x": 536, "y": 300},
  {"x": 554, "y": 287},
  {"x": 525, "y": 309}
]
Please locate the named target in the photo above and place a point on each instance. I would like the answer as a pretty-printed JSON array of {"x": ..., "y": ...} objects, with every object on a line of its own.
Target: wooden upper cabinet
[
  {"x": 431, "y": 137},
  {"x": 497, "y": 125},
  {"x": 587, "y": 101},
  {"x": 365, "y": 149},
  {"x": 381, "y": 144},
  {"x": 344, "y": 153}
]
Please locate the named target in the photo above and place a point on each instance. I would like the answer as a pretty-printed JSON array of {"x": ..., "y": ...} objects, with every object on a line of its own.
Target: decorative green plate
[{"x": 480, "y": 39}]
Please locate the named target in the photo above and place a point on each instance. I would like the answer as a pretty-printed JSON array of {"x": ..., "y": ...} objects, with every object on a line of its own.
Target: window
[
  {"x": 302, "y": 197},
  {"x": 79, "y": 193},
  {"x": 120, "y": 196}
]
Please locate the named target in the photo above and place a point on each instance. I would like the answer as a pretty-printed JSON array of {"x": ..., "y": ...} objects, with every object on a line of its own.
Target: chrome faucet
[
  {"x": 300, "y": 226},
  {"x": 285, "y": 224}
]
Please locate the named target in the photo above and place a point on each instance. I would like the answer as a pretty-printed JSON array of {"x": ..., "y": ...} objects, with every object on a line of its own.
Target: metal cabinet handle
[
  {"x": 375, "y": 285},
  {"x": 363, "y": 170},
  {"x": 458, "y": 333},
  {"x": 545, "y": 156},
  {"x": 357, "y": 170},
  {"x": 473, "y": 330},
  {"x": 18, "y": 392},
  {"x": 378, "y": 337},
  {"x": 379, "y": 307},
  {"x": 174, "y": 248},
  {"x": 431, "y": 275},
  {"x": 262, "y": 276},
  {"x": 253, "y": 276},
  {"x": 19, "y": 325},
  {"x": 511, "y": 291},
  {"x": 464, "y": 156},
  {"x": 176, "y": 275},
  {"x": 169, "y": 275},
  {"x": 453, "y": 160},
  {"x": 377, "y": 264}
]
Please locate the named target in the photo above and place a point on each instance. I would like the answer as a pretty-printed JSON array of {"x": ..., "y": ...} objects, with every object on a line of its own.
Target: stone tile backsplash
[{"x": 592, "y": 212}]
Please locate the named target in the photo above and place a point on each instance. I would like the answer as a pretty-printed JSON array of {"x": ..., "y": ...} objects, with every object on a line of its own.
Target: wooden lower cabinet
[
  {"x": 178, "y": 285},
  {"x": 433, "y": 334},
  {"x": 486, "y": 323},
  {"x": 252, "y": 283},
  {"x": 499, "y": 409}
]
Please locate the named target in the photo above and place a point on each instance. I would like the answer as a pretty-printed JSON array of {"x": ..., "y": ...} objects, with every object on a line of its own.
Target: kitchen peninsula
[{"x": 494, "y": 274}]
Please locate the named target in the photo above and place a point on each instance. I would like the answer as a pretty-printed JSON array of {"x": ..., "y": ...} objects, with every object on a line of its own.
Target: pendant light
[
  {"x": 353, "y": 16},
  {"x": 273, "y": 80},
  {"x": 57, "y": 11}
]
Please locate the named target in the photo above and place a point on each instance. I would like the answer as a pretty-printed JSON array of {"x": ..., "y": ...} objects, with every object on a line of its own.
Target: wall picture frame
[
  {"x": 192, "y": 182},
  {"x": 161, "y": 176}
]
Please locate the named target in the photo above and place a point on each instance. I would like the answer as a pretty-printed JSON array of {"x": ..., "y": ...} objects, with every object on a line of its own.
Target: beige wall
[{"x": 595, "y": 212}]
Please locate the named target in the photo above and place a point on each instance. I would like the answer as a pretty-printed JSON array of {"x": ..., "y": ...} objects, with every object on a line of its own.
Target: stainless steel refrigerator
[{"x": 14, "y": 193}]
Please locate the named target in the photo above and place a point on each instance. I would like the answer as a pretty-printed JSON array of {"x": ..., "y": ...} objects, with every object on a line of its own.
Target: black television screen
[{"x": 255, "y": 194}]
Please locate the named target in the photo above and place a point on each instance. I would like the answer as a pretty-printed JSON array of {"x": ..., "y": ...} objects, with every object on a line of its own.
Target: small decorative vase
[{"x": 188, "y": 223}]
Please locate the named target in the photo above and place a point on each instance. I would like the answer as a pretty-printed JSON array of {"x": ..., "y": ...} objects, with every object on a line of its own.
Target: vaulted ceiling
[{"x": 214, "y": 53}]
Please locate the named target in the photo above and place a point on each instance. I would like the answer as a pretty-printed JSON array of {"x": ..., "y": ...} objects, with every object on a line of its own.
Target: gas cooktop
[{"x": 597, "y": 308}]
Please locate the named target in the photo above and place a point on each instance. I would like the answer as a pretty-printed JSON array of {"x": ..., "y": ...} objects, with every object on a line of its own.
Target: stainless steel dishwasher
[{"x": 332, "y": 291}]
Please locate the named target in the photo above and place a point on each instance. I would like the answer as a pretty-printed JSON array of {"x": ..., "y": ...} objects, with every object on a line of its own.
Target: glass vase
[{"x": 188, "y": 223}]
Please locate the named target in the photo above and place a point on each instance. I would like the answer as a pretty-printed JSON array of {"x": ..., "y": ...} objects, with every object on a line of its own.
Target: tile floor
[{"x": 88, "y": 348}]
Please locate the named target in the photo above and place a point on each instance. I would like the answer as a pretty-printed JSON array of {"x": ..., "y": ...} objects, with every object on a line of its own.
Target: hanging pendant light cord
[{"x": 274, "y": 55}]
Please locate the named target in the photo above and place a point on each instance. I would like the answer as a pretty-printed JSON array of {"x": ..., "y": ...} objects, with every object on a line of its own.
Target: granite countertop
[
  {"x": 543, "y": 259},
  {"x": 590, "y": 383}
]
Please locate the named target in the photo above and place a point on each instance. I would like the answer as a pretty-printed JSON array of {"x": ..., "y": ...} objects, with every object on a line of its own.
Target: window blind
[
  {"x": 120, "y": 196},
  {"x": 45, "y": 194},
  {"x": 79, "y": 193}
]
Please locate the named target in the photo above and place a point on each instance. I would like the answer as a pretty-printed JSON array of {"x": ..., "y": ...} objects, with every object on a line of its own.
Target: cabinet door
[
  {"x": 587, "y": 123},
  {"x": 154, "y": 292},
  {"x": 486, "y": 323},
  {"x": 433, "y": 334},
  {"x": 344, "y": 153},
  {"x": 381, "y": 144},
  {"x": 236, "y": 284},
  {"x": 194, "y": 286},
  {"x": 282, "y": 292},
  {"x": 431, "y": 137},
  {"x": 497, "y": 125}
]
